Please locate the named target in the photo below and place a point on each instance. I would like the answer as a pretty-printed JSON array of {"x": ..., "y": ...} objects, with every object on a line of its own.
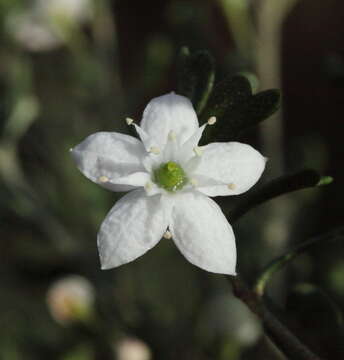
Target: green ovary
[{"x": 170, "y": 176}]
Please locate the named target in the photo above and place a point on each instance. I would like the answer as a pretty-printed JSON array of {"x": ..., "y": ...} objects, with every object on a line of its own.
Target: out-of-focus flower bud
[
  {"x": 47, "y": 24},
  {"x": 71, "y": 299},
  {"x": 132, "y": 349},
  {"x": 31, "y": 32},
  {"x": 73, "y": 10}
]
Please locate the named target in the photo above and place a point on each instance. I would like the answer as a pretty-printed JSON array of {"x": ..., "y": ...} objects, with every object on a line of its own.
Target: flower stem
[{"x": 286, "y": 341}]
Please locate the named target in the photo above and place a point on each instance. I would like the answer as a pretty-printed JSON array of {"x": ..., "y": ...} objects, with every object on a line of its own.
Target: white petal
[
  {"x": 203, "y": 234},
  {"x": 235, "y": 166},
  {"x": 133, "y": 226},
  {"x": 186, "y": 151},
  {"x": 109, "y": 156},
  {"x": 167, "y": 113}
]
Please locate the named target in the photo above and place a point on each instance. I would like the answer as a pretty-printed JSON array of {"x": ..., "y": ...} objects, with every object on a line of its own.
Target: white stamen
[
  {"x": 154, "y": 150},
  {"x": 172, "y": 136},
  {"x": 211, "y": 120},
  {"x": 129, "y": 121},
  {"x": 231, "y": 186},
  {"x": 148, "y": 186},
  {"x": 103, "y": 179},
  {"x": 193, "y": 182},
  {"x": 197, "y": 150},
  {"x": 167, "y": 235}
]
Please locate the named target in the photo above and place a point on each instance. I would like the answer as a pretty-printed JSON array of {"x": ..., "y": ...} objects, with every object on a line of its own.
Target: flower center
[{"x": 170, "y": 176}]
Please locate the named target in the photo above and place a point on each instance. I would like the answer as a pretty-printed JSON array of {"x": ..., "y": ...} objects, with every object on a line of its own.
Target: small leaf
[
  {"x": 196, "y": 74},
  {"x": 325, "y": 180},
  {"x": 261, "y": 106},
  {"x": 227, "y": 94},
  {"x": 237, "y": 109}
]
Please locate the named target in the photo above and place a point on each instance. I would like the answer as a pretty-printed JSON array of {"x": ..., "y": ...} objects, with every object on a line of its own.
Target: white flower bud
[
  {"x": 132, "y": 349},
  {"x": 70, "y": 299}
]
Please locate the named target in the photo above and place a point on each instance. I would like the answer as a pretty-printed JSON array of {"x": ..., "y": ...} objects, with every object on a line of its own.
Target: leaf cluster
[{"x": 231, "y": 100}]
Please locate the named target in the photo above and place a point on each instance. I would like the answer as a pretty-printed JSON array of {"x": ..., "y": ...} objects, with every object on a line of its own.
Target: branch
[
  {"x": 287, "y": 342},
  {"x": 280, "y": 186},
  {"x": 278, "y": 263}
]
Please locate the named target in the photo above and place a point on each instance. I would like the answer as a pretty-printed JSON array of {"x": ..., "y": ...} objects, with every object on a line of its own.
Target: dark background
[{"x": 107, "y": 67}]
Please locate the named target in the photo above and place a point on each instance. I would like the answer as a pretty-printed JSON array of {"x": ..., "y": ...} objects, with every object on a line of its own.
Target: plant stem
[
  {"x": 281, "y": 261},
  {"x": 287, "y": 342},
  {"x": 279, "y": 186}
]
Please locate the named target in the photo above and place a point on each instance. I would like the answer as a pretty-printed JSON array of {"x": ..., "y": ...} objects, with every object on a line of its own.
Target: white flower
[
  {"x": 79, "y": 11},
  {"x": 171, "y": 178},
  {"x": 132, "y": 349},
  {"x": 45, "y": 24}
]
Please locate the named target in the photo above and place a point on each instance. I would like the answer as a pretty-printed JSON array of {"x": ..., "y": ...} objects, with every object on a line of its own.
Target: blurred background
[{"x": 69, "y": 68}]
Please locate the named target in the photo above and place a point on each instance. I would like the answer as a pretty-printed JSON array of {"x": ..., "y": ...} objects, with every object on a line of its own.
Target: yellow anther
[
  {"x": 231, "y": 186},
  {"x": 211, "y": 120},
  {"x": 193, "y": 182},
  {"x": 148, "y": 186},
  {"x": 198, "y": 151},
  {"x": 167, "y": 235},
  {"x": 103, "y": 179},
  {"x": 154, "y": 150},
  {"x": 129, "y": 121}
]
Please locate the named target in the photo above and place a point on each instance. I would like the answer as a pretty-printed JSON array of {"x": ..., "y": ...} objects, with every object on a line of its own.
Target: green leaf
[
  {"x": 237, "y": 109},
  {"x": 325, "y": 180},
  {"x": 280, "y": 186},
  {"x": 226, "y": 95},
  {"x": 196, "y": 74},
  {"x": 281, "y": 261},
  {"x": 261, "y": 106}
]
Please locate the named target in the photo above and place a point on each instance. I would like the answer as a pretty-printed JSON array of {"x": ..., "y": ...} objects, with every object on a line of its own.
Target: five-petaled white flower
[{"x": 171, "y": 178}]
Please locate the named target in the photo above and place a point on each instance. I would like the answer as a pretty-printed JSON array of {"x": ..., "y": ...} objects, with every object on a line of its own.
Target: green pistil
[{"x": 170, "y": 176}]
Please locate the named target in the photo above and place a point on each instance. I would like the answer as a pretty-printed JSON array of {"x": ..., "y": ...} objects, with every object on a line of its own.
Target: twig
[
  {"x": 280, "y": 186},
  {"x": 278, "y": 263},
  {"x": 287, "y": 342}
]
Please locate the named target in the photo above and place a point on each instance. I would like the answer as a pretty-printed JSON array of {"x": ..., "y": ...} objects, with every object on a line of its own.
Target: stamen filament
[
  {"x": 193, "y": 182},
  {"x": 154, "y": 150},
  {"x": 148, "y": 186},
  {"x": 172, "y": 136},
  {"x": 198, "y": 151}
]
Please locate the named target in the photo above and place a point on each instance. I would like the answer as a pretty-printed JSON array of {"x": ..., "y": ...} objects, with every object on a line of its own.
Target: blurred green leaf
[
  {"x": 325, "y": 180},
  {"x": 237, "y": 109},
  {"x": 83, "y": 352},
  {"x": 322, "y": 317},
  {"x": 281, "y": 261},
  {"x": 196, "y": 74}
]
